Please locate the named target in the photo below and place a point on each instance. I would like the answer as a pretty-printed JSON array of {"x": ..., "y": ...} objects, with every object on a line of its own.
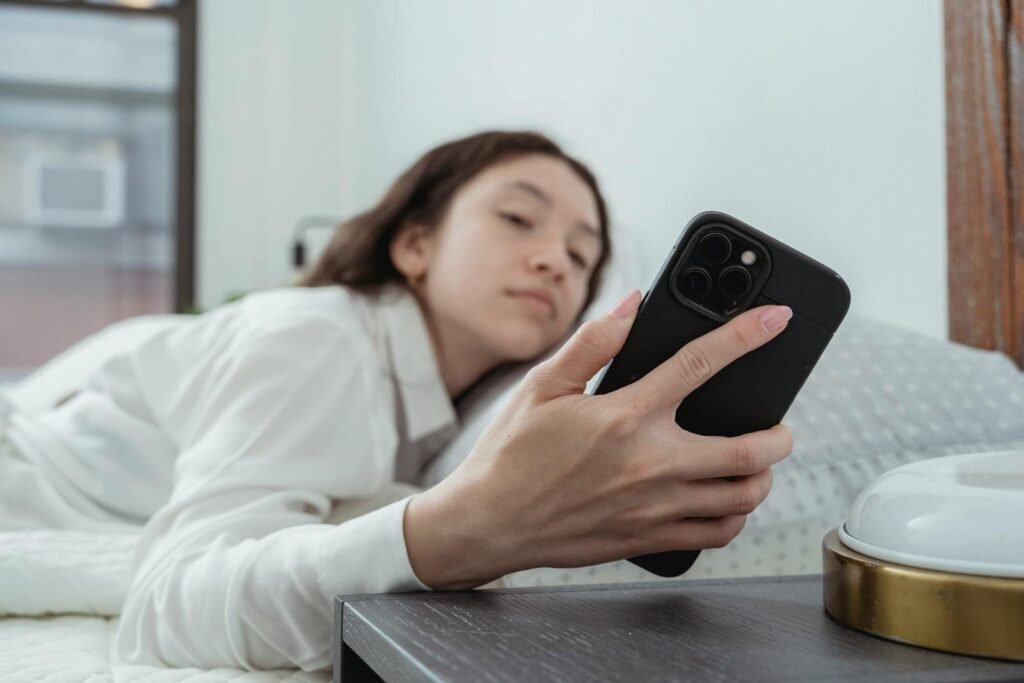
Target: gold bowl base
[{"x": 961, "y": 613}]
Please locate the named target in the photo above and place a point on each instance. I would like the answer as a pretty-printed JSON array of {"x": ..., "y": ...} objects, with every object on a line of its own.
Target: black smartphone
[{"x": 719, "y": 268}]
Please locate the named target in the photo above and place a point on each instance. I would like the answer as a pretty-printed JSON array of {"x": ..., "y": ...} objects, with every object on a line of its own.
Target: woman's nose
[{"x": 550, "y": 259}]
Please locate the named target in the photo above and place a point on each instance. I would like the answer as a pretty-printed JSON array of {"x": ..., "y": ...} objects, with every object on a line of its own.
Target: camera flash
[{"x": 748, "y": 257}]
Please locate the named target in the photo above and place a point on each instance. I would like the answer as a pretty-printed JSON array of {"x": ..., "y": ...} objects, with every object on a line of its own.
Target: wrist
[{"x": 451, "y": 543}]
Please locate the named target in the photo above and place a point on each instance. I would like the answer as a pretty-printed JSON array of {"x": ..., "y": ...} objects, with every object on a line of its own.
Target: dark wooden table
[{"x": 767, "y": 629}]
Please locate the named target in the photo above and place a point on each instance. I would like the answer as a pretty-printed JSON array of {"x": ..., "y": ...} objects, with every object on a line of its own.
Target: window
[{"x": 97, "y": 104}]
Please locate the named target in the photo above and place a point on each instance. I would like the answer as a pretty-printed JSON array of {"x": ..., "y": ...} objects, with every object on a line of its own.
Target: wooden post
[{"x": 985, "y": 173}]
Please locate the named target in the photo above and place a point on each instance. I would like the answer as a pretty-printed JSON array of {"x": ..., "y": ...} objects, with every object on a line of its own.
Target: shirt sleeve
[{"x": 238, "y": 569}]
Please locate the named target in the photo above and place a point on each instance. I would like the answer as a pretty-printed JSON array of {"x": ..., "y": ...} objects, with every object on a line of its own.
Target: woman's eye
[
  {"x": 515, "y": 219},
  {"x": 578, "y": 260}
]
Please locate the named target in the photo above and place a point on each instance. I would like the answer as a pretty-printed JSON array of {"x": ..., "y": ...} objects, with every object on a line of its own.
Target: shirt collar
[{"x": 424, "y": 399}]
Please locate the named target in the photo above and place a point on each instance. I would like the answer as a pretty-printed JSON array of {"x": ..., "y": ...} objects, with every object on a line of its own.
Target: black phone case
[{"x": 754, "y": 392}]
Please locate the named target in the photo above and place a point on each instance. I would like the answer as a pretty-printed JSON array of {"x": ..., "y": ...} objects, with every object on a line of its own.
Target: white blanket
[
  {"x": 59, "y": 591},
  {"x": 59, "y": 572},
  {"x": 75, "y": 649}
]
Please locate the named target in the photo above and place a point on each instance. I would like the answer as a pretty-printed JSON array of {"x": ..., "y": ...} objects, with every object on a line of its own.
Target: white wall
[
  {"x": 820, "y": 122},
  {"x": 274, "y": 117}
]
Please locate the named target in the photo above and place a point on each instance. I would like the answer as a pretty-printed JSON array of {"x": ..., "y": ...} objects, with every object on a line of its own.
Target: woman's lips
[{"x": 537, "y": 300}]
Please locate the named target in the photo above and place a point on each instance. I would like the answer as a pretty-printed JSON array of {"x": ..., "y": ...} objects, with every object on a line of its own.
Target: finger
[
  {"x": 696, "y": 534},
  {"x": 593, "y": 345},
  {"x": 697, "y": 362},
  {"x": 721, "y": 498},
  {"x": 710, "y": 457}
]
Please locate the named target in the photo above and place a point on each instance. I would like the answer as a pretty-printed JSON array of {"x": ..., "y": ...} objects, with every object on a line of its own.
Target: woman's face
[{"x": 510, "y": 263}]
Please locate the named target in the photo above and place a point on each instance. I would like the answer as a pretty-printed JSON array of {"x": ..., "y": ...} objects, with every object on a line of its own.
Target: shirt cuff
[{"x": 368, "y": 554}]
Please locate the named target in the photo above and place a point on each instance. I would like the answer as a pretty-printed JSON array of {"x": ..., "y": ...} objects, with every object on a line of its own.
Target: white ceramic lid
[{"x": 961, "y": 513}]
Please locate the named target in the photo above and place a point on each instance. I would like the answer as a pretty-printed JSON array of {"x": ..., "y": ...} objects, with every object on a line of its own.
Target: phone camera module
[
  {"x": 714, "y": 248},
  {"x": 734, "y": 282},
  {"x": 695, "y": 283}
]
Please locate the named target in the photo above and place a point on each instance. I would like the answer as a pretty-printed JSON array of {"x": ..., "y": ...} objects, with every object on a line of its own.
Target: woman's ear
[{"x": 410, "y": 251}]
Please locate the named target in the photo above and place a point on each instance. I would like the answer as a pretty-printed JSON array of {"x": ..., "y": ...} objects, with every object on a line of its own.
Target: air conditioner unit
[{"x": 74, "y": 190}]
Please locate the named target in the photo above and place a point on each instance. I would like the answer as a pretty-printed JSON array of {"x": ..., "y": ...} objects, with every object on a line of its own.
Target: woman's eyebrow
[
  {"x": 543, "y": 196},
  {"x": 529, "y": 188}
]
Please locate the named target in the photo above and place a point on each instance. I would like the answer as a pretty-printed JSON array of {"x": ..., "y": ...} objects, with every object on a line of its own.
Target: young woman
[{"x": 230, "y": 436}]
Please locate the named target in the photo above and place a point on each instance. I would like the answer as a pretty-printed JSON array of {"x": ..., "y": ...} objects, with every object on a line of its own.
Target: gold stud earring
[{"x": 417, "y": 280}]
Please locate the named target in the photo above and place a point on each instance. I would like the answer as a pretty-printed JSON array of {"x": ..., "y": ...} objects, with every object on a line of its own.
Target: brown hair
[{"x": 358, "y": 254}]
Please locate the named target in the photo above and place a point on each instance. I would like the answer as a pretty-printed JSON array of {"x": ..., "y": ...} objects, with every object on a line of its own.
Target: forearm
[{"x": 208, "y": 599}]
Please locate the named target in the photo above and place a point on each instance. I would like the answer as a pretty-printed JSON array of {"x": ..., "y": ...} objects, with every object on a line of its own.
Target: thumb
[{"x": 593, "y": 345}]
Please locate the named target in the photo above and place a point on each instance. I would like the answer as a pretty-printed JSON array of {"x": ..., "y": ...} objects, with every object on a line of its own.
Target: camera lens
[
  {"x": 714, "y": 248},
  {"x": 695, "y": 282},
  {"x": 734, "y": 282}
]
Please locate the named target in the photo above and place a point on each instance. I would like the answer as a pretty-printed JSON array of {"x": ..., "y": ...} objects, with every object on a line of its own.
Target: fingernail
[
  {"x": 626, "y": 307},
  {"x": 775, "y": 318}
]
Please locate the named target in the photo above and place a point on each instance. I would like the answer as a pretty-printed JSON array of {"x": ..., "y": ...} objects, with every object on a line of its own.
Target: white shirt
[{"x": 235, "y": 432}]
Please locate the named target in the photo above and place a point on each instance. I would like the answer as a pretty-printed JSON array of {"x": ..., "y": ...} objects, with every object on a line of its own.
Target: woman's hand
[{"x": 562, "y": 479}]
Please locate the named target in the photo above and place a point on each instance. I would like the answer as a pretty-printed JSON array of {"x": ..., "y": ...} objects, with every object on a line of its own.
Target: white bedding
[
  {"x": 54, "y": 571},
  {"x": 58, "y": 592},
  {"x": 75, "y": 649}
]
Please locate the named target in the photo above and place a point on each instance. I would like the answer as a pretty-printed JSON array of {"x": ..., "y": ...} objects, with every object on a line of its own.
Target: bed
[{"x": 880, "y": 396}]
